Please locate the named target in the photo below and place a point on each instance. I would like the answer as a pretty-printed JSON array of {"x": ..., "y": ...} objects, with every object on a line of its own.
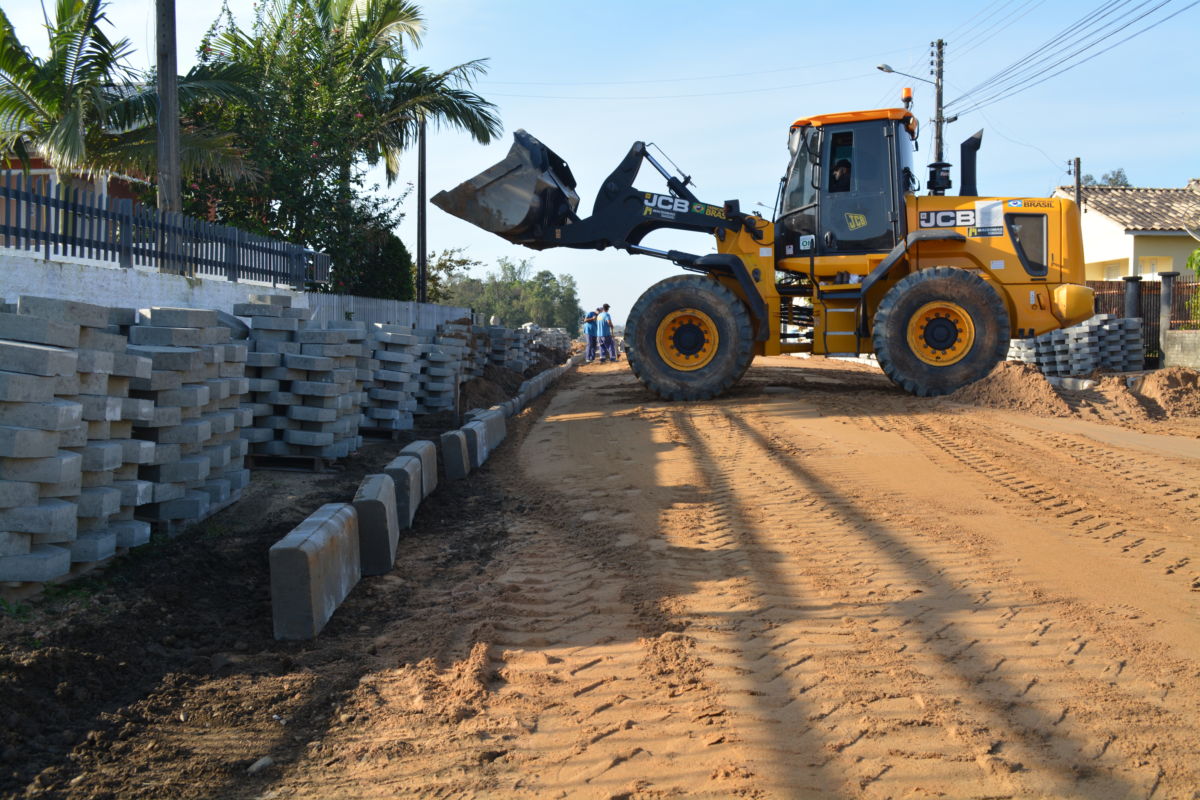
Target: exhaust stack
[{"x": 967, "y": 151}]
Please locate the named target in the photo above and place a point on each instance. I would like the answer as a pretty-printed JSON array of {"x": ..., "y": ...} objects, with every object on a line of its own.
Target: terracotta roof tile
[{"x": 1144, "y": 209}]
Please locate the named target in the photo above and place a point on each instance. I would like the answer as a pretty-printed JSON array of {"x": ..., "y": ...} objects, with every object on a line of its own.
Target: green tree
[
  {"x": 445, "y": 269},
  {"x": 85, "y": 112},
  {"x": 1114, "y": 178},
  {"x": 516, "y": 294},
  {"x": 334, "y": 92}
]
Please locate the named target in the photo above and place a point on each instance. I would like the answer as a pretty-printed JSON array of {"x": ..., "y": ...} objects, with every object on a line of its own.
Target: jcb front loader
[{"x": 854, "y": 263}]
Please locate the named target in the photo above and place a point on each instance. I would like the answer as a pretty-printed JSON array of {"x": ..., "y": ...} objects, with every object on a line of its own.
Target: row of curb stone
[{"x": 316, "y": 565}]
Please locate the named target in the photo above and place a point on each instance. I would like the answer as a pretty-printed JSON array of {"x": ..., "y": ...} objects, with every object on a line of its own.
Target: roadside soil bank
[{"x": 813, "y": 586}]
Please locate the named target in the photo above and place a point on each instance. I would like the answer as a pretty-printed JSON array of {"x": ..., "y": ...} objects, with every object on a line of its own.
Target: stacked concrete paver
[
  {"x": 196, "y": 386},
  {"x": 39, "y": 482},
  {"x": 440, "y": 372},
  {"x": 396, "y": 351},
  {"x": 1103, "y": 342},
  {"x": 306, "y": 382}
]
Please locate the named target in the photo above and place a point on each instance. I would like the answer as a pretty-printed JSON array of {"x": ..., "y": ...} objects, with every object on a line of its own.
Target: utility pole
[
  {"x": 422, "y": 255},
  {"x": 168, "y": 108},
  {"x": 1079, "y": 184},
  {"x": 939, "y": 170}
]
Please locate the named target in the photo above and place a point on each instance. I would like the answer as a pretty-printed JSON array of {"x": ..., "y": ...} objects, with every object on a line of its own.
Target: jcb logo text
[
  {"x": 664, "y": 202},
  {"x": 947, "y": 219}
]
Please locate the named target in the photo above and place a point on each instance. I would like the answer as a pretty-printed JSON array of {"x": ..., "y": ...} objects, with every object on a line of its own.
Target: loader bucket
[{"x": 530, "y": 191}]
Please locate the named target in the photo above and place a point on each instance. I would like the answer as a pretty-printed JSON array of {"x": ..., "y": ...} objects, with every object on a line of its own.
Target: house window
[
  {"x": 1112, "y": 272},
  {"x": 1152, "y": 266}
]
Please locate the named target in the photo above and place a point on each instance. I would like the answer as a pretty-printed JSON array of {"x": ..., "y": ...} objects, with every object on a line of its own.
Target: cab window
[
  {"x": 1028, "y": 232},
  {"x": 841, "y": 162}
]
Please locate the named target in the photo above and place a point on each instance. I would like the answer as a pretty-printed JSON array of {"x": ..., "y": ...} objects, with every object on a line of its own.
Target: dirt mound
[
  {"x": 1175, "y": 389},
  {"x": 545, "y": 358},
  {"x": 1116, "y": 391},
  {"x": 482, "y": 393},
  {"x": 507, "y": 379},
  {"x": 1014, "y": 386}
]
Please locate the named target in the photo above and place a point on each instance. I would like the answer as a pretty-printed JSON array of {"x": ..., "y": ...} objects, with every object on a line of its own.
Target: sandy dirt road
[{"x": 813, "y": 587}]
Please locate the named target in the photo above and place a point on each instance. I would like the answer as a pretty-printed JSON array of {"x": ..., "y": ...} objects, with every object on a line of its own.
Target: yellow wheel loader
[{"x": 854, "y": 263}]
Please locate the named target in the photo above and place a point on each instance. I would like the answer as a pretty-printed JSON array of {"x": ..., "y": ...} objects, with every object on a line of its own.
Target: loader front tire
[
  {"x": 689, "y": 338},
  {"x": 940, "y": 329}
]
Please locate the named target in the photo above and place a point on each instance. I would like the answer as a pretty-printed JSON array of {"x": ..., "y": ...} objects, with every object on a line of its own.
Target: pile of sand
[
  {"x": 1014, "y": 386},
  {"x": 1175, "y": 389}
]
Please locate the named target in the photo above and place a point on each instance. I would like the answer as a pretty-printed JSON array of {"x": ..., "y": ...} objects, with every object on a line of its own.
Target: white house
[{"x": 1134, "y": 231}]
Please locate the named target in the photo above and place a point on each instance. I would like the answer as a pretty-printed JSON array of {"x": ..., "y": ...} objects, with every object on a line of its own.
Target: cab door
[{"x": 859, "y": 200}]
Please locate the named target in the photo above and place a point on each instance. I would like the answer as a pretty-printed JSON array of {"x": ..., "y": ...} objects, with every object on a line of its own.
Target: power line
[
  {"x": 1030, "y": 83},
  {"x": 983, "y": 37},
  {"x": 1045, "y": 49},
  {"x": 794, "y": 68},
  {"x": 680, "y": 96}
]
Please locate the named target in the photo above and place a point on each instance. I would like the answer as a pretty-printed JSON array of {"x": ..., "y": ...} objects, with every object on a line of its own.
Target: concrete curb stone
[
  {"x": 313, "y": 569},
  {"x": 426, "y": 451},
  {"x": 406, "y": 472},
  {"x": 378, "y": 529},
  {"x": 455, "y": 459}
]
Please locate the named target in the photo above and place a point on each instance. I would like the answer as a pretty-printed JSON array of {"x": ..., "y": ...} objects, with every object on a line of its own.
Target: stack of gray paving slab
[
  {"x": 554, "y": 338},
  {"x": 510, "y": 349},
  {"x": 440, "y": 372},
  {"x": 128, "y": 371},
  {"x": 1122, "y": 349},
  {"x": 40, "y": 480},
  {"x": 1103, "y": 342},
  {"x": 111, "y": 490},
  {"x": 480, "y": 350},
  {"x": 359, "y": 354},
  {"x": 475, "y": 343},
  {"x": 392, "y": 394},
  {"x": 197, "y": 385},
  {"x": 305, "y": 382},
  {"x": 265, "y": 353}
]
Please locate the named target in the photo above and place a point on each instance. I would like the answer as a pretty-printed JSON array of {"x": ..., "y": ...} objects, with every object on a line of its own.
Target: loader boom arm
[
  {"x": 623, "y": 215},
  {"x": 529, "y": 199}
]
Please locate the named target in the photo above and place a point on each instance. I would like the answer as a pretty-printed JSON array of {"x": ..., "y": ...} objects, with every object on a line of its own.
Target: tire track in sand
[{"x": 1084, "y": 702}]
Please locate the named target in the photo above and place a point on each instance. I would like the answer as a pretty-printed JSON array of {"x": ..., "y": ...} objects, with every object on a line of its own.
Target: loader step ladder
[{"x": 841, "y": 304}]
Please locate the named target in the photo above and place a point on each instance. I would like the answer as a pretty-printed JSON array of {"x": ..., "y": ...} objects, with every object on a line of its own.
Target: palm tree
[
  {"x": 86, "y": 112},
  {"x": 357, "y": 51}
]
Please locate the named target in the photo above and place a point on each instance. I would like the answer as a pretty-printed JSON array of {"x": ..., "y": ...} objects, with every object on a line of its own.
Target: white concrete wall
[
  {"x": 123, "y": 288},
  {"x": 1104, "y": 240}
]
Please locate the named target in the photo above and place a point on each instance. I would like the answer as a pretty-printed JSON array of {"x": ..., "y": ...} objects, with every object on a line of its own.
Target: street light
[{"x": 886, "y": 68}]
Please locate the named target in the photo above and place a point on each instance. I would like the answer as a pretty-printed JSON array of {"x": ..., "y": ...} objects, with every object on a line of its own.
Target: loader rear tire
[
  {"x": 689, "y": 338},
  {"x": 940, "y": 329}
]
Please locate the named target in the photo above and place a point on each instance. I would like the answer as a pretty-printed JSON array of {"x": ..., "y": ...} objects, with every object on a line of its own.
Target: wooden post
[
  {"x": 422, "y": 256},
  {"x": 168, "y": 108}
]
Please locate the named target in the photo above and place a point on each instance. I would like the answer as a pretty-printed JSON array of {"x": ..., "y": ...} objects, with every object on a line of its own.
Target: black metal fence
[{"x": 53, "y": 219}]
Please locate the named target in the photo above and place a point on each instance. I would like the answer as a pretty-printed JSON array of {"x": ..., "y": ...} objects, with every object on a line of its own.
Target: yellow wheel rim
[
  {"x": 687, "y": 339},
  {"x": 941, "y": 333}
]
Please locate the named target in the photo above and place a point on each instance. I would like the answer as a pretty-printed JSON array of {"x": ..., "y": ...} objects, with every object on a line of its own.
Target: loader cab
[{"x": 844, "y": 190}]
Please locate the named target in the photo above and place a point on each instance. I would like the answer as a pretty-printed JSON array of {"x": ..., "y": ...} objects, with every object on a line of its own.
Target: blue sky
[{"x": 717, "y": 85}]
